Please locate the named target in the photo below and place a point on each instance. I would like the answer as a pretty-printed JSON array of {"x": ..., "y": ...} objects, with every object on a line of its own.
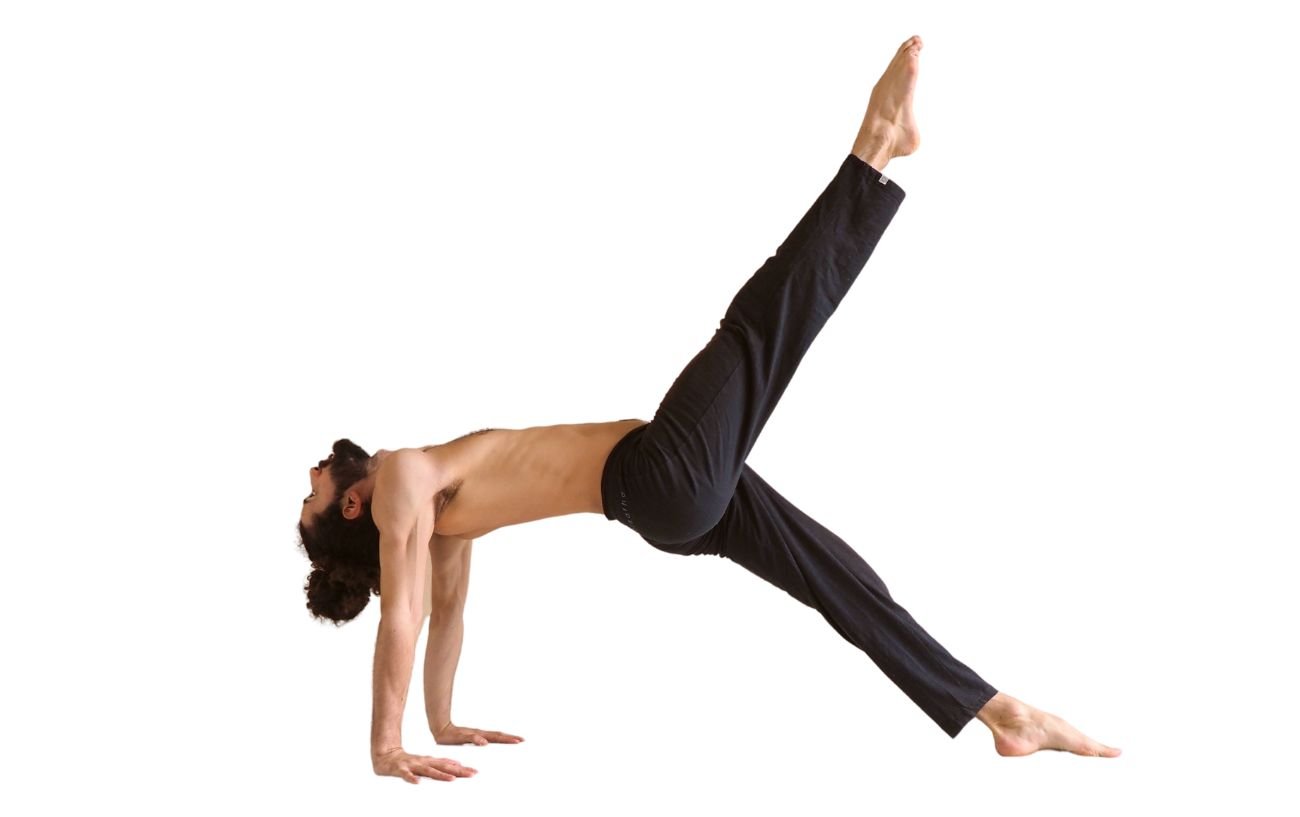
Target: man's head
[{"x": 338, "y": 534}]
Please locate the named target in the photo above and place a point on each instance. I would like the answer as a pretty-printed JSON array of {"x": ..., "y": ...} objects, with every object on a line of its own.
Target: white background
[{"x": 1056, "y": 413}]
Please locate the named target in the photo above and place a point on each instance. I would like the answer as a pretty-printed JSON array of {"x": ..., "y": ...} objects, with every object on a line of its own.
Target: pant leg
[
  {"x": 693, "y": 450},
  {"x": 765, "y": 533}
]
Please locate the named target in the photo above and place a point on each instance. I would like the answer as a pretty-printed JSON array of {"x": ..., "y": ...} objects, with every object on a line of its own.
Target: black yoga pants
[{"x": 682, "y": 483}]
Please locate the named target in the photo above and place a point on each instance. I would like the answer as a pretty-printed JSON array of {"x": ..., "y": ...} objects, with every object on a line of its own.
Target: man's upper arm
[
  {"x": 449, "y": 574},
  {"x": 402, "y": 507}
]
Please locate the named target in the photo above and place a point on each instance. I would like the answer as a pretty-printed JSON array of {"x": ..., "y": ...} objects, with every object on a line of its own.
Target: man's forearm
[
  {"x": 394, "y": 655},
  {"x": 441, "y": 655}
]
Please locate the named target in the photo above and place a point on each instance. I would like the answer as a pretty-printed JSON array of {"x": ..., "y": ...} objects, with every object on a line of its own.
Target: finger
[
  {"x": 455, "y": 767},
  {"x": 457, "y": 770},
  {"x": 502, "y": 737},
  {"x": 479, "y": 740},
  {"x": 436, "y": 773}
]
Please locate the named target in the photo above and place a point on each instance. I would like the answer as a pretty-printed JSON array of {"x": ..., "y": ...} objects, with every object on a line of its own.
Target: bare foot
[
  {"x": 1020, "y": 729},
  {"x": 889, "y": 127}
]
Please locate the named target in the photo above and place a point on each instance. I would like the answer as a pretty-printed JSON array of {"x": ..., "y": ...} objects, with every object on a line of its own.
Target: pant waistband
[{"x": 613, "y": 492}]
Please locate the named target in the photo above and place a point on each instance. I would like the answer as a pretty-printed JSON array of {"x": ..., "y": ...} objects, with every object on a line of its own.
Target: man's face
[{"x": 345, "y": 466}]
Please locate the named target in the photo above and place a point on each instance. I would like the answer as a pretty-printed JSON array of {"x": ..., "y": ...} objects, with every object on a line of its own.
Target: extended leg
[{"x": 764, "y": 532}]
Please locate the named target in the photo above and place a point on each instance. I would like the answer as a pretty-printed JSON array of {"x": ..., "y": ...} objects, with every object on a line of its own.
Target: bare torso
[{"x": 504, "y": 476}]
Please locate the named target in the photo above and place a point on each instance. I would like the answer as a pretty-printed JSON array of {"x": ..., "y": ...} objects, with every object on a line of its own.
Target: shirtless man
[{"x": 401, "y": 523}]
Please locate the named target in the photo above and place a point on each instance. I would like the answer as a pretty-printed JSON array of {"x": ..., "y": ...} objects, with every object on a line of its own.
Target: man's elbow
[
  {"x": 401, "y": 613},
  {"x": 445, "y": 612}
]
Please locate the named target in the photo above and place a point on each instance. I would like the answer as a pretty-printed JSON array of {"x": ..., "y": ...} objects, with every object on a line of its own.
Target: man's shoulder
[
  {"x": 406, "y": 467},
  {"x": 406, "y": 479}
]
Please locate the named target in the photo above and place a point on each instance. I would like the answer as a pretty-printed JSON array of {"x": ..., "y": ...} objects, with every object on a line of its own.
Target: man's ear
[{"x": 352, "y": 505}]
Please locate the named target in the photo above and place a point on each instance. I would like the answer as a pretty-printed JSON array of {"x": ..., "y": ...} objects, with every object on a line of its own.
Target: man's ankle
[
  {"x": 999, "y": 708},
  {"x": 874, "y": 153}
]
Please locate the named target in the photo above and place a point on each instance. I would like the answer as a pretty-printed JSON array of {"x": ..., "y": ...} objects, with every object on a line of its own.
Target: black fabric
[{"x": 682, "y": 483}]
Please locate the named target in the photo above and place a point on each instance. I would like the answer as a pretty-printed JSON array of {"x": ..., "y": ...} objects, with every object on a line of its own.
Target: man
[{"x": 401, "y": 523}]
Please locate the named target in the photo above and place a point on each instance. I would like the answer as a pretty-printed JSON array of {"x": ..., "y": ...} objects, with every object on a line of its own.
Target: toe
[{"x": 1096, "y": 749}]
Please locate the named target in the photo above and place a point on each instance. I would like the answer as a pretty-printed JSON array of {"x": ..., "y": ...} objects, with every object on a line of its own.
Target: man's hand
[
  {"x": 398, "y": 763},
  {"x": 451, "y": 733}
]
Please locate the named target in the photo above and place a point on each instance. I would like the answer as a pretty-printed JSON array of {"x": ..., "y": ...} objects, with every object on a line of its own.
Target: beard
[{"x": 349, "y": 466}]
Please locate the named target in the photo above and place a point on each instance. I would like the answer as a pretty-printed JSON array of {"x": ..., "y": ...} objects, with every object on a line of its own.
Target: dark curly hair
[{"x": 344, "y": 553}]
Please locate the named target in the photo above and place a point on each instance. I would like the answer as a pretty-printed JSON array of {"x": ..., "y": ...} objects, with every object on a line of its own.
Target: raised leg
[{"x": 713, "y": 413}]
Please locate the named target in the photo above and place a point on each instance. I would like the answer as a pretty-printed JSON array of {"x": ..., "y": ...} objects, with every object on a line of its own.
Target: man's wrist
[{"x": 376, "y": 752}]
